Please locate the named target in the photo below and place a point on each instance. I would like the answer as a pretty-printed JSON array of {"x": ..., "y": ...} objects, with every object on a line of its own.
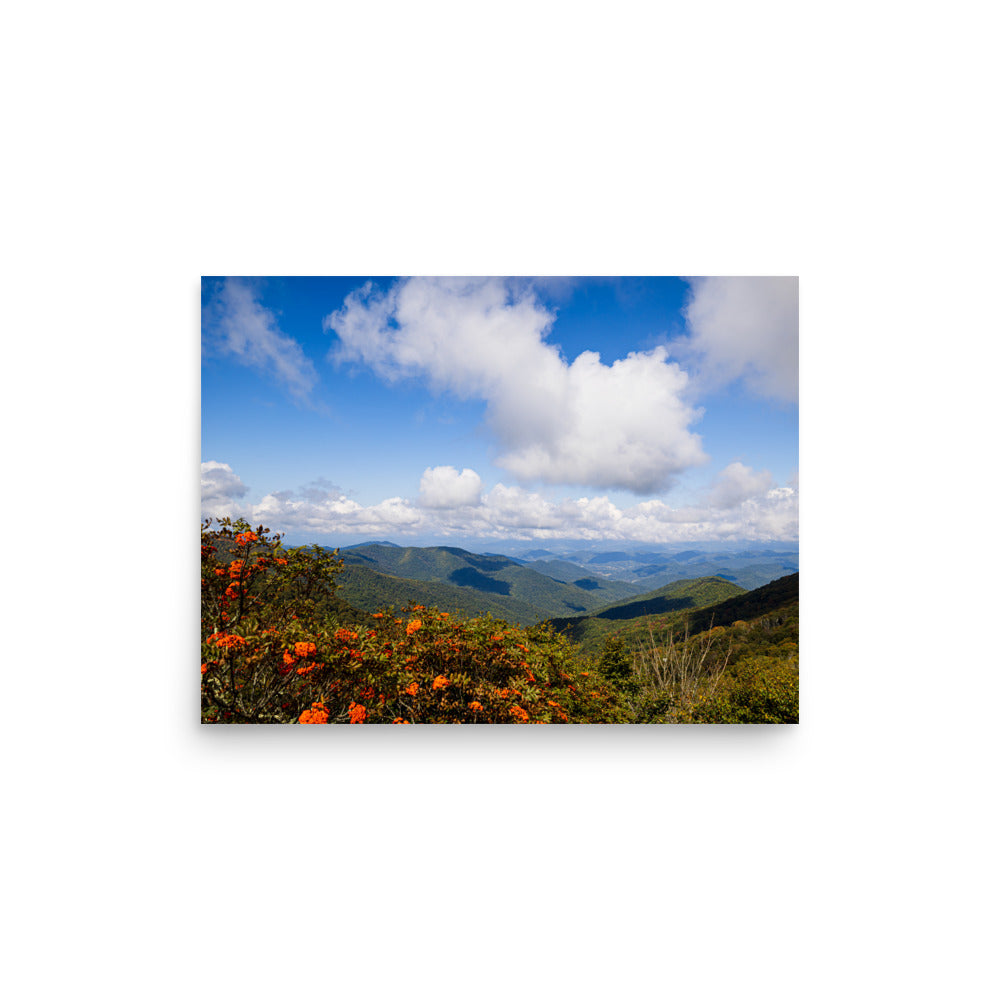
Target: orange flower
[
  {"x": 236, "y": 567},
  {"x": 413, "y": 626},
  {"x": 378, "y": 614},
  {"x": 519, "y": 713},
  {"x": 305, "y": 649},
  {"x": 400, "y": 721},
  {"x": 413, "y": 688},
  {"x": 475, "y": 706},
  {"x": 440, "y": 682},
  {"x": 358, "y": 714},
  {"x": 281, "y": 562},
  {"x": 345, "y": 635},
  {"x": 246, "y": 538},
  {"x": 317, "y": 715},
  {"x": 289, "y": 659},
  {"x": 224, "y": 641}
]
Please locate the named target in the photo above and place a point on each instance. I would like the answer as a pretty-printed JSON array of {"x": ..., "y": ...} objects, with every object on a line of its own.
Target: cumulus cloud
[
  {"x": 619, "y": 426},
  {"x": 445, "y": 486},
  {"x": 771, "y": 513},
  {"x": 736, "y": 483},
  {"x": 236, "y": 325},
  {"x": 221, "y": 490},
  {"x": 746, "y": 328}
]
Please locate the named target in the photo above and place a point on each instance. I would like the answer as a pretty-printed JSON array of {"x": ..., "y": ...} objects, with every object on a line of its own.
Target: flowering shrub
[
  {"x": 275, "y": 651},
  {"x": 259, "y": 606}
]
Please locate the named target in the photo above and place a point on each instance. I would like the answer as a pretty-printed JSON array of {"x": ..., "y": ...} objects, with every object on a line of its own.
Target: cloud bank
[
  {"x": 620, "y": 426},
  {"x": 746, "y": 328},
  {"x": 236, "y": 325},
  {"x": 742, "y": 504}
]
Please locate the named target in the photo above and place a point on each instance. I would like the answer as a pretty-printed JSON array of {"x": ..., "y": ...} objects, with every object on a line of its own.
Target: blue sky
[{"x": 421, "y": 410}]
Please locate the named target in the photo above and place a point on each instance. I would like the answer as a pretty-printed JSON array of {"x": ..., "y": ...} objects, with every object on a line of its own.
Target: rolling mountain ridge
[
  {"x": 671, "y": 601},
  {"x": 524, "y": 594}
]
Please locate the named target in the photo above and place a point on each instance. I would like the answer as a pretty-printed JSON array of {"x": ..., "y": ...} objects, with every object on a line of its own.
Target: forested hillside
[
  {"x": 370, "y": 590},
  {"x": 493, "y": 583},
  {"x": 669, "y": 603}
]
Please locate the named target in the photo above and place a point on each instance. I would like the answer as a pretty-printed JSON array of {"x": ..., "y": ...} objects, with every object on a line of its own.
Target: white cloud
[
  {"x": 620, "y": 426},
  {"x": 513, "y": 512},
  {"x": 221, "y": 490},
  {"x": 746, "y": 328},
  {"x": 445, "y": 486},
  {"x": 736, "y": 483},
  {"x": 235, "y": 324},
  {"x": 286, "y": 511},
  {"x": 775, "y": 514}
]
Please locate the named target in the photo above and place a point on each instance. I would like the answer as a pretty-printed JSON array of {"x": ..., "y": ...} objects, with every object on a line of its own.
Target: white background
[{"x": 852, "y": 855}]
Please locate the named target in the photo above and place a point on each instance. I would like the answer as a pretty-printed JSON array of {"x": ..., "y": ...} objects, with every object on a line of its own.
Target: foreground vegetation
[{"x": 279, "y": 646}]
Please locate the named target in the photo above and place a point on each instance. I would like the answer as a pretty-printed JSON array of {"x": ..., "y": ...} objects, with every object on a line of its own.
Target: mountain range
[
  {"x": 376, "y": 574},
  {"x": 579, "y": 598}
]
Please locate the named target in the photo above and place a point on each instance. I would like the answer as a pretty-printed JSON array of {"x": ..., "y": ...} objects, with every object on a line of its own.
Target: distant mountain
[
  {"x": 526, "y": 594},
  {"x": 650, "y": 570},
  {"x": 567, "y": 572},
  {"x": 516, "y": 559},
  {"x": 747, "y": 574},
  {"x": 749, "y": 565}
]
